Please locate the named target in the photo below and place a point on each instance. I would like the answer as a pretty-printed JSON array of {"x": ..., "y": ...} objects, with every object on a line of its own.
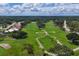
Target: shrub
[
  {"x": 19, "y": 35},
  {"x": 29, "y": 48},
  {"x": 74, "y": 38},
  {"x": 61, "y": 50}
]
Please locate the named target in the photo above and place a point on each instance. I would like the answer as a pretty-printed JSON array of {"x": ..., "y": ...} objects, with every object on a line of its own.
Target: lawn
[
  {"x": 33, "y": 33},
  {"x": 31, "y": 29},
  {"x": 60, "y": 35}
]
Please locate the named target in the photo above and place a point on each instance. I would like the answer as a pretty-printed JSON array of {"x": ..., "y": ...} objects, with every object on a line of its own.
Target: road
[{"x": 65, "y": 26}]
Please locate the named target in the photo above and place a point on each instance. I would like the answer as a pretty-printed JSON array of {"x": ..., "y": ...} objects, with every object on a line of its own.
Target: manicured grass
[
  {"x": 47, "y": 42},
  {"x": 60, "y": 35},
  {"x": 31, "y": 29},
  {"x": 76, "y": 53},
  {"x": 33, "y": 33}
]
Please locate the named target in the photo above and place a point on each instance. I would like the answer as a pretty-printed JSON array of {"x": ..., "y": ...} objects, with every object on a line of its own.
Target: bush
[
  {"x": 74, "y": 25},
  {"x": 29, "y": 48},
  {"x": 74, "y": 38},
  {"x": 61, "y": 50},
  {"x": 19, "y": 35}
]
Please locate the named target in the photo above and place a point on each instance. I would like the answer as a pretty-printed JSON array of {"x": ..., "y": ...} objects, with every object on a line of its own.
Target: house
[{"x": 16, "y": 26}]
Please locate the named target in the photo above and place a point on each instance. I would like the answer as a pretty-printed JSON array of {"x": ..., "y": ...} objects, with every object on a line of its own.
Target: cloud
[{"x": 39, "y": 8}]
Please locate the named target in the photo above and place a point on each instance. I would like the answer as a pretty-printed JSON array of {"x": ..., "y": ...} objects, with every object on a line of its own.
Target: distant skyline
[{"x": 39, "y": 9}]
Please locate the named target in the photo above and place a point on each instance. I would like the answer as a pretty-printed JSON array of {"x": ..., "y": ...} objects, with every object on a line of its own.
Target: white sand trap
[{"x": 5, "y": 46}]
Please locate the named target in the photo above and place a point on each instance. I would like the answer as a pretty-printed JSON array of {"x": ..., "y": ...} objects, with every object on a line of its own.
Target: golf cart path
[
  {"x": 46, "y": 33},
  {"x": 76, "y": 49},
  {"x": 39, "y": 43},
  {"x": 42, "y": 47},
  {"x": 65, "y": 26}
]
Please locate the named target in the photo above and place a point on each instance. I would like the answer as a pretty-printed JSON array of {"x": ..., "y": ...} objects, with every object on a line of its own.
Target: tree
[
  {"x": 74, "y": 38},
  {"x": 40, "y": 24},
  {"x": 74, "y": 25},
  {"x": 19, "y": 35},
  {"x": 61, "y": 50},
  {"x": 29, "y": 48}
]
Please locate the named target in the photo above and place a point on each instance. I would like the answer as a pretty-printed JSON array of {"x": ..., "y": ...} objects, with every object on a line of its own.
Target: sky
[{"x": 39, "y": 9}]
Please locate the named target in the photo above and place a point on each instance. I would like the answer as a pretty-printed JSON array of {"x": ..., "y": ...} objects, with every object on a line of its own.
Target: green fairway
[
  {"x": 60, "y": 35},
  {"x": 31, "y": 29},
  {"x": 48, "y": 41}
]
